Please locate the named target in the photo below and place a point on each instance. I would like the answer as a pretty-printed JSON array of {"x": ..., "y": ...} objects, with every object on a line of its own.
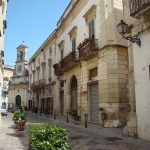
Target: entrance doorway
[
  {"x": 62, "y": 103},
  {"x": 94, "y": 102},
  {"x": 18, "y": 101},
  {"x": 74, "y": 96}
]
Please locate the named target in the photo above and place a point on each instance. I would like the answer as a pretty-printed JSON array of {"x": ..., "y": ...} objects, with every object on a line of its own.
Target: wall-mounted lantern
[{"x": 124, "y": 29}]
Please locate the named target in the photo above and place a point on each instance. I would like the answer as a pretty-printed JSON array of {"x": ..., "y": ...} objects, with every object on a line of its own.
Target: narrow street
[{"x": 80, "y": 138}]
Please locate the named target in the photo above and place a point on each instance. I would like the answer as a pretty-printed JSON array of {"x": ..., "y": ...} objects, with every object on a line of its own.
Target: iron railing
[
  {"x": 65, "y": 62},
  {"x": 138, "y": 5},
  {"x": 87, "y": 46}
]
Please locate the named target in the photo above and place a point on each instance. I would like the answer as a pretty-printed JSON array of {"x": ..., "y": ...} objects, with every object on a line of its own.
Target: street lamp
[{"x": 124, "y": 28}]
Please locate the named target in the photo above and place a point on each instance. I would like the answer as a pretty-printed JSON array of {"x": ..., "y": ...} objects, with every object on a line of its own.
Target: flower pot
[{"x": 21, "y": 126}]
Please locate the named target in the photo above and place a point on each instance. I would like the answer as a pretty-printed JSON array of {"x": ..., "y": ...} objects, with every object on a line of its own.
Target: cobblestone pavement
[
  {"x": 10, "y": 139},
  {"x": 97, "y": 138},
  {"x": 92, "y": 138}
]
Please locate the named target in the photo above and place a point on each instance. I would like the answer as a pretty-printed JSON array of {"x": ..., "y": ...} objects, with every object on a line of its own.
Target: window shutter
[
  {"x": 73, "y": 44},
  {"x": 93, "y": 28}
]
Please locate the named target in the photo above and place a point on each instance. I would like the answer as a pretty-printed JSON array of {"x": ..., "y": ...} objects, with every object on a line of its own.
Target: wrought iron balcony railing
[
  {"x": 87, "y": 47},
  {"x": 38, "y": 84},
  {"x": 66, "y": 62},
  {"x": 138, "y": 7}
]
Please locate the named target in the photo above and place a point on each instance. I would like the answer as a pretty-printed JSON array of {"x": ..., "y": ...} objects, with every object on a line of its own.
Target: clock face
[{"x": 19, "y": 69}]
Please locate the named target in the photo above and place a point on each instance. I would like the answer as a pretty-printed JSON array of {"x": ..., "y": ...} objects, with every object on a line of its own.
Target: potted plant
[
  {"x": 21, "y": 125},
  {"x": 74, "y": 115},
  {"x": 20, "y": 119}
]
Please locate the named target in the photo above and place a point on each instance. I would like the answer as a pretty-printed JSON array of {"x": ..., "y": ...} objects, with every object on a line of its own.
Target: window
[
  {"x": 61, "y": 53},
  {"x": 91, "y": 29},
  {"x": 61, "y": 48},
  {"x": 90, "y": 17},
  {"x": 93, "y": 72},
  {"x": 50, "y": 51},
  {"x": 39, "y": 61},
  {"x": 73, "y": 44},
  {"x": 44, "y": 56},
  {"x": 50, "y": 66},
  {"x": 73, "y": 35}
]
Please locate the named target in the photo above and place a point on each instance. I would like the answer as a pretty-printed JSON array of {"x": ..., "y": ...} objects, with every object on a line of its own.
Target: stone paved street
[
  {"x": 9, "y": 138},
  {"x": 98, "y": 138},
  {"x": 80, "y": 138}
]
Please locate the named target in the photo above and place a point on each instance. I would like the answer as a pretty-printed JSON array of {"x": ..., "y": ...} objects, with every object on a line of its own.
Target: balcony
[
  {"x": 88, "y": 48},
  {"x": 38, "y": 84},
  {"x": 139, "y": 7},
  {"x": 34, "y": 85},
  {"x": 68, "y": 61}
]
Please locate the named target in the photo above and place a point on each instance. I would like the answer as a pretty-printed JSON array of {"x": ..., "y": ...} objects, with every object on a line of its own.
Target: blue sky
[{"x": 31, "y": 21}]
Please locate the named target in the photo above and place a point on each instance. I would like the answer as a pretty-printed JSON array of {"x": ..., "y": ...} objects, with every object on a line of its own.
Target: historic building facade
[
  {"x": 83, "y": 65},
  {"x": 40, "y": 77},
  {"x": 7, "y": 74},
  {"x": 18, "y": 87},
  {"x": 137, "y": 16},
  {"x": 3, "y": 26}
]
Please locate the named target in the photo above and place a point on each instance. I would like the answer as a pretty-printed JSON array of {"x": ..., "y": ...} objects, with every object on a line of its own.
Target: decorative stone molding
[
  {"x": 90, "y": 14},
  {"x": 43, "y": 64},
  {"x": 38, "y": 68},
  {"x": 61, "y": 44},
  {"x": 73, "y": 32}
]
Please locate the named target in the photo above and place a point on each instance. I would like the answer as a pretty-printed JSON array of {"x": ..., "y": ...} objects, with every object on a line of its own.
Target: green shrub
[
  {"x": 44, "y": 137},
  {"x": 19, "y": 116}
]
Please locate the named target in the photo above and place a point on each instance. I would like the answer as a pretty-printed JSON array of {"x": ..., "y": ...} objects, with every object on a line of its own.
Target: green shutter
[
  {"x": 93, "y": 28},
  {"x": 73, "y": 44}
]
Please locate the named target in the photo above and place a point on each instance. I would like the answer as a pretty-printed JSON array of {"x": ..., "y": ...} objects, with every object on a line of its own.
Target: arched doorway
[
  {"x": 18, "y": 101},
  {"x": 74, "y": 95}
]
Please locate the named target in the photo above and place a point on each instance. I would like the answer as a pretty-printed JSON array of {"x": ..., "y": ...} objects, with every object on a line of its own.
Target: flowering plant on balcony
[{"x": 86, "y": 40}]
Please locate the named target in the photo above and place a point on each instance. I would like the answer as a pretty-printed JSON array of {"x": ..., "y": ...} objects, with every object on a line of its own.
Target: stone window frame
[
  {"x": 50, "y": 67},
  {"x": 43, "y": 65},
  {"x": 50, "y": 51},
  {"x": 73, "y": 37},
  {"x": 38, "y": 72},
  {"x": 61, "y": 46},
  {"x": 90, "y": 16}
]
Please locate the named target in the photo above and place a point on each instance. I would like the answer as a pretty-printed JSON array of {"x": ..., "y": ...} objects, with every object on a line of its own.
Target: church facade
[{"x": 18, "y": 88}]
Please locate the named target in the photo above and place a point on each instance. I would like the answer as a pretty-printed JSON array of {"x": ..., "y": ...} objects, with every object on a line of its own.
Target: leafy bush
[
  {"x": 48, "y": 137},
  {"x": 19, "y": 116}
]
